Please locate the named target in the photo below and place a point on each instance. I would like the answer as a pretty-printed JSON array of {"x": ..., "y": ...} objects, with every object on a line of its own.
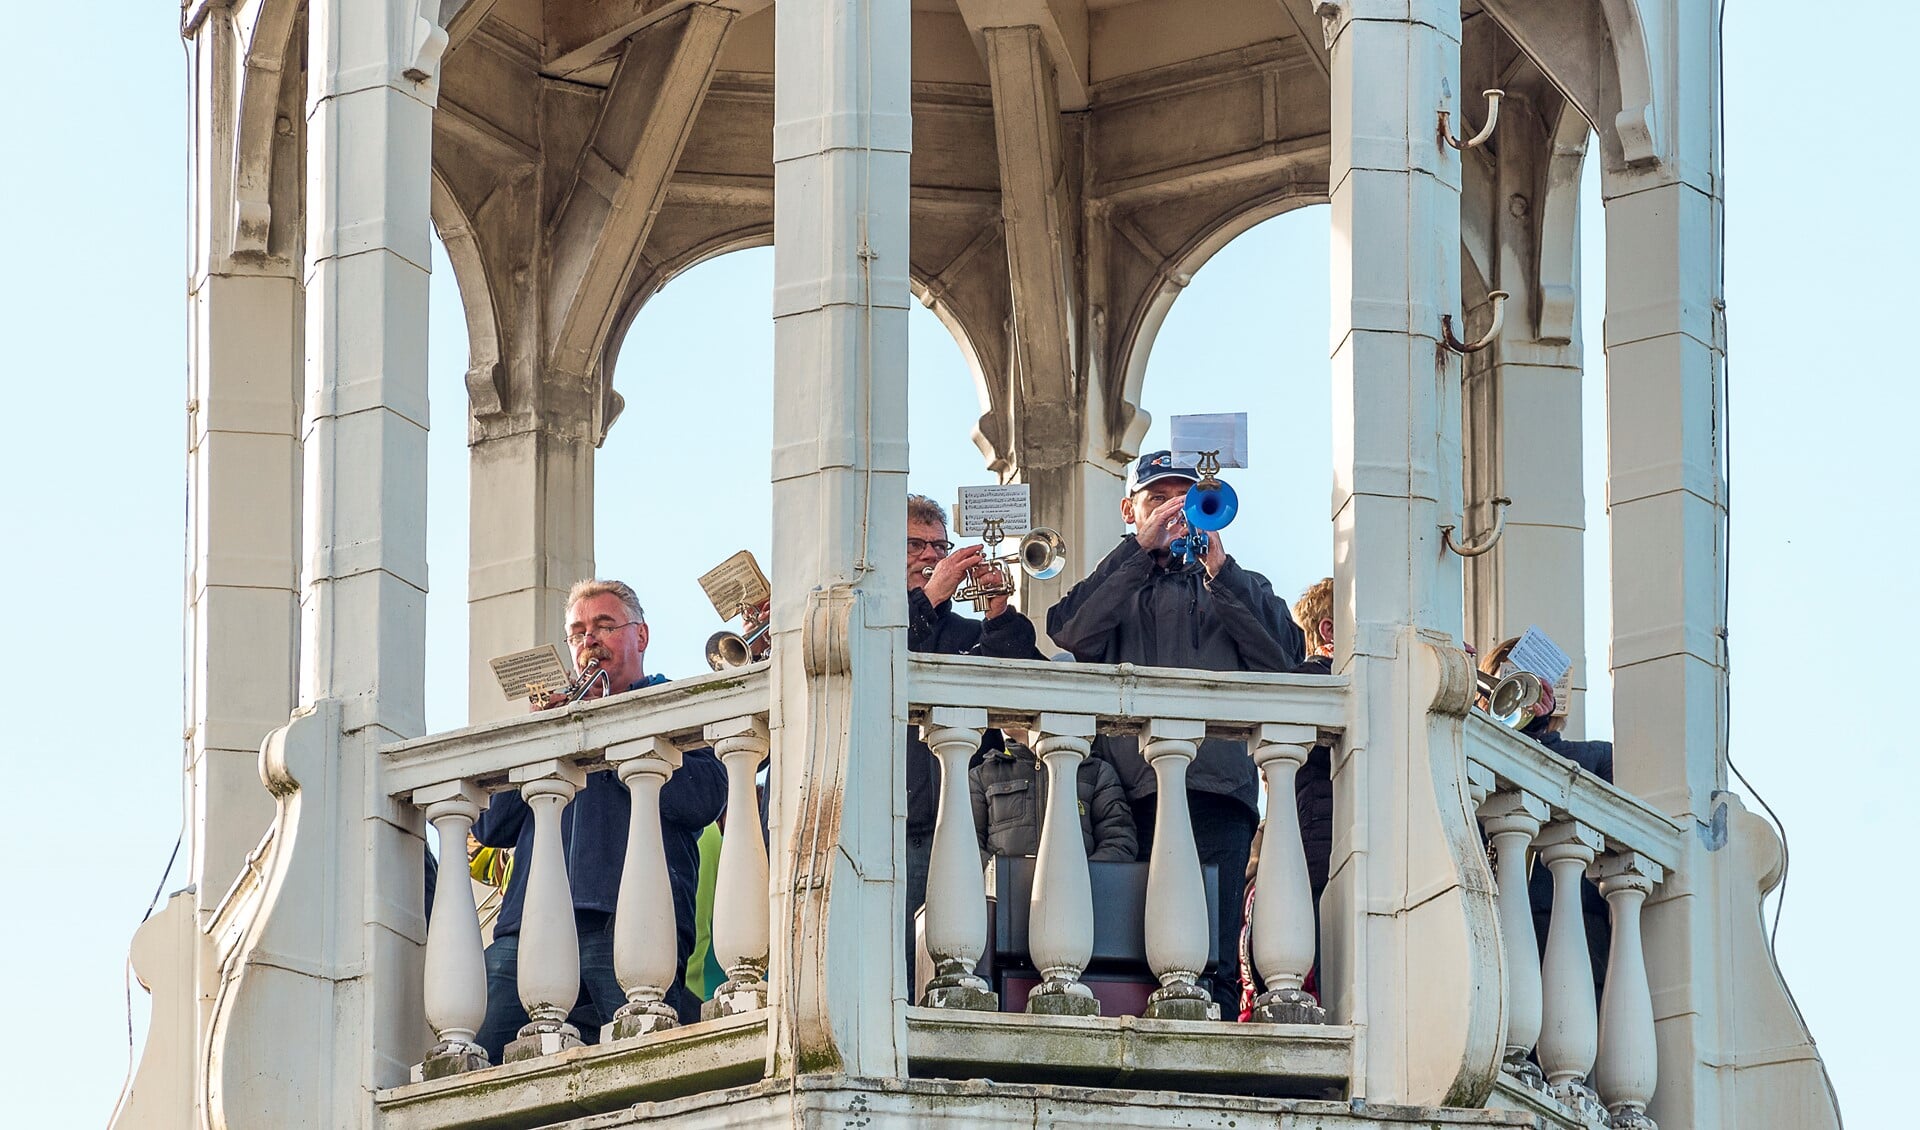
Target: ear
[
  {"x": 1326, "y": 630},
  {"x": 1126, "y": 510},
  {"x": 642, "y": 635}
]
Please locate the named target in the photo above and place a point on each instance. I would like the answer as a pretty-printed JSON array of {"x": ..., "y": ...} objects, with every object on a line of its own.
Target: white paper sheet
[
  {"x": 1223, "y": 432},
  {"x": 1011, "y": 503}
]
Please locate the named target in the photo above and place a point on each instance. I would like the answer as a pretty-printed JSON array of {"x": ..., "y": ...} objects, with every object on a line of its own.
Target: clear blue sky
[{"x": 1822, "y": 245}]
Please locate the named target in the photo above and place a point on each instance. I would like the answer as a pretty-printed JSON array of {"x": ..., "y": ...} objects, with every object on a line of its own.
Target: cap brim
[{"x": 1183, "y": 476}]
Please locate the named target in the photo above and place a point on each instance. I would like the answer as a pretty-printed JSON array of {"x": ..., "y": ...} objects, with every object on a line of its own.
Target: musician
[
  {"x": 605, "y": 624},
  {"x": 1141, "y": 606},
  {"x": 935, "y": 571}
]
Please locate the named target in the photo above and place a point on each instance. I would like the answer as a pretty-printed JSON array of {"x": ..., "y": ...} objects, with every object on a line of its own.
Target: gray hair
[
  {"x": 920, "y": 508},
  {"x": 583, "y": 590}
]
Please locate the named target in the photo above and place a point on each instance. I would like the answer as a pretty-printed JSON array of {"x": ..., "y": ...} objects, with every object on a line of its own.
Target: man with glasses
[
  {"x": 605, "y": 624},
  {"x": 935, "y": 571}
]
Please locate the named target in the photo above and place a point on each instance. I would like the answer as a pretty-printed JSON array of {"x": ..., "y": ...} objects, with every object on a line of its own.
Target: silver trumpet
[
  {"x": 1517, "y": 699},
  {"x": 583, "y": 683},
  {"x": 1041, "y": 554},
  {"x": 726, "y": 650}
]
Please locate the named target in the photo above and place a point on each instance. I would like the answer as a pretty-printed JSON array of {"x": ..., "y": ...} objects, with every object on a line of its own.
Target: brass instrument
[
  {"x": 1517, "y": 699},
  {"x": 1041, "y": 554},
  {"x": 735, "y": 649},
  {"x": 583, "y": 682},
  {"x": 1211, "y": 505}
]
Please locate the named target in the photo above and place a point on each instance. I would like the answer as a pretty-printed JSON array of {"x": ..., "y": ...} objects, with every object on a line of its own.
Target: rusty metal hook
[
  {"x": 1499, "y": 300},
  {"x": 1487, "y": 540},
  {"x": 1486, "y": 131}
]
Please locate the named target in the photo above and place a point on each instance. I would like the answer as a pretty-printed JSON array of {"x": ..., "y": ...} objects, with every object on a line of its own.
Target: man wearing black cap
[{"x": 1142, "y": 606}]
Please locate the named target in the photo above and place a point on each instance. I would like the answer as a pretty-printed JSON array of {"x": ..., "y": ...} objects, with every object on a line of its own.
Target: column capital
[
  {"x": 1176, "y": 729},
  {"x": 1569, "y": 839},
  {"x": 1066, "y": 725},
  {"x": 563, "y": 777},
  {"x": 642, "y": 755},
  {"x": 1513, "y": 811},
  {"x": 1625, "y": 871}
]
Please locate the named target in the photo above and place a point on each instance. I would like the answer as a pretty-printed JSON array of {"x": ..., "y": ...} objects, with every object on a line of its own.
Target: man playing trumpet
[{"x": 935, "y": 571}]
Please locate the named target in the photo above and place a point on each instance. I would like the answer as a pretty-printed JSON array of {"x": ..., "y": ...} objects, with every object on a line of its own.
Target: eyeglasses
[
  {"x": 919, "y": 545},
  {"x": 599, "y": 631}
]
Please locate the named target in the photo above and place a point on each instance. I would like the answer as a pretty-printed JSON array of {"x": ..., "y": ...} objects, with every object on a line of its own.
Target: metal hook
[
  {"x": 1488, "y": 540},
  {"x": 1486, "y": 131},
  {"x": 1499, "y": 300}
]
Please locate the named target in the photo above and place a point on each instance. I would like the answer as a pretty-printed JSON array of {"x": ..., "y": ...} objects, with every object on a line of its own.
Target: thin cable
[{"x": 862, "y": 564}]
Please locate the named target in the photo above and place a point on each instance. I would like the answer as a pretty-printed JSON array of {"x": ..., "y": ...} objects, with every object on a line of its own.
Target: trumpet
[
  {"x": 583, "y": 683},
  {"x": 734, "y": 649},
  {"x": 1041, "y": 554},
  {"x": 1210, "y": 505},
  {"x": 1517, "y": 699}
]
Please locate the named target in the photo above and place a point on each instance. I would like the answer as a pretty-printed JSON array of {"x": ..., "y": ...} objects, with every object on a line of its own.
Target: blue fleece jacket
[{"x": 593, "y": 836}]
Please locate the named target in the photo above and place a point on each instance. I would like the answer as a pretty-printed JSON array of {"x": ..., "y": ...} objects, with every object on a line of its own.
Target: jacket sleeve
[
  {"x": 499, "y": 825},
  {"x": 697, "y": 791},
  {"x": 1256, "y": 620},
  {"x": 1114, "y": 836},
  {"x": 1084, "y": 620},
  {"x": 1009, "y": 635},
  {"x": 923, "y": 622},
  {"x": 977, "y": 788}
]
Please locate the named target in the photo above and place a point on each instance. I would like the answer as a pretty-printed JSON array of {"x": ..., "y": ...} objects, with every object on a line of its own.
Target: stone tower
[{"x": 1045, "y": 175}]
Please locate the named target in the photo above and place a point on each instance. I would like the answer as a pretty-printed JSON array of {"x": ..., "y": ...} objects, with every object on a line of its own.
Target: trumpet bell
[
  {"x": 1515, "y": 700},
  {"x": 726, "y": 650},
  {"x": 1211, "y": 505},
  {"x": 1043, "y": 554}
]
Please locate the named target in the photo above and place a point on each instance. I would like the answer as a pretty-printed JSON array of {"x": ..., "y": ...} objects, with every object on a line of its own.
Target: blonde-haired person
[{"x": 605, "y": 625}]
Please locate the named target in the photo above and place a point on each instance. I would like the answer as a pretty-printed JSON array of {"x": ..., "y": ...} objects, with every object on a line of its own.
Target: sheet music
[
  {"x": 1539, "y": 655},
  {"x": 533, "y": 673},
  {"x": 1011, "y": 503},
  {"x": 734, "y": 583},
  {"x": 1224, "y": 432}
]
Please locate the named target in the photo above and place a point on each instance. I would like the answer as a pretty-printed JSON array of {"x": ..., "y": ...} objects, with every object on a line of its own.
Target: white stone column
[
  {"x": 456, "y": 968},
  {"x": 646, "y": 951},
  {"x": 1627, "y": 1068},
  {"x": 1177, "y": 935},
  {"x": 1511, "y": 821},
  {"x": 842, "y": 136},
  {"x": 1569, "y": 1033},
  {"x": 956, "y": 883},
  {"x": 1283, "y": 936},
  {"x": 1060, "y": 915},
  {"x": 1409, "y": 935},
  {"x": 740, "y": 901},
  {"x": 549, "y": 956},
  {"x": 243, "y": 475}
]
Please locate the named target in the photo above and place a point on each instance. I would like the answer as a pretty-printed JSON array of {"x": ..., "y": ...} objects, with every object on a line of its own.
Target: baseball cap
[{"x": 1156, "y": 465}]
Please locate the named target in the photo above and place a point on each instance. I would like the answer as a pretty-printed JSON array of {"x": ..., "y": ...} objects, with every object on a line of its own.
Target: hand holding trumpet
[
  {"x": 1169, "y": 521},
  {"x": 953, "y": 570}
]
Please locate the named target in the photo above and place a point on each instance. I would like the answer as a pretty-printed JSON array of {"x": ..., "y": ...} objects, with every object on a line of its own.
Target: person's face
[
  {"x": 1142, "y": 502},
  {"x": 923, "y": 549},
  {"x": 609, "y": 636}
]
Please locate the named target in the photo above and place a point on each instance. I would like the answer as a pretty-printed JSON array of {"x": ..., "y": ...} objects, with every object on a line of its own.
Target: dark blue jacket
[
  {"x": 1595, "y": 757},
  {"x": 593, "y": 836}
]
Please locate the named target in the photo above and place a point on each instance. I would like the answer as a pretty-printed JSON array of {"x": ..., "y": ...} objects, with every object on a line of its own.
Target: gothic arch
[
  {"x": 265, "y": 38},
  {"x": 1598, "y": 56},
  {"x": 486, "y": 371}
]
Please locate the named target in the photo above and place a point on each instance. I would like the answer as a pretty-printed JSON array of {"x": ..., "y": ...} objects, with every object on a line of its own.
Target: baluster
[
  {"x": 1628, "y": 1067},
  {"x": 1511, "y": 821},
  {"x": 1060, "y": 921},
  {"x": 1569, "y": 1031},
  {"x": 1176, "y": 927},
  {"x": 549, "y": 960},
  {"x": 455, "y": 985},
  {"x": 740, "y": 937},
  {"x": 956, "y": 883},
  {"x": 646, "y": 951},
  {"x": 1283, "y": 940}
]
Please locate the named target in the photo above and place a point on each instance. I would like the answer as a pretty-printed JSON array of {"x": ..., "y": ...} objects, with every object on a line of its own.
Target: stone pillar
[
  {"x": 243, "y": 494},
  {"x": 1410, "y": 939},
  {"x": 324, "y": 1000},
  {"x": 842, "y": 136}
]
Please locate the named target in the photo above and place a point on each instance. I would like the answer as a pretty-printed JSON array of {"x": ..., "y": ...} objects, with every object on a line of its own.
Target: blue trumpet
[{"x": 1211, "y": 505}]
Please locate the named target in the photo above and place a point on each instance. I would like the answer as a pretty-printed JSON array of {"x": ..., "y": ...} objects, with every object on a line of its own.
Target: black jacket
[
  {"x": 942, "y": 631},
  {"x": 1010, "y": 799},
  {"x": 1132, "y": 610},
  {"x": 1597, "y": 759},
  {"x": 1313, "y": 796}
]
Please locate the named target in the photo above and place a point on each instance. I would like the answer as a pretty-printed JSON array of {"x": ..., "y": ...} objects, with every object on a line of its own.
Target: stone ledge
[
  {"x": 1297, "y": 1060},
  {"x": 705, "y": 1057},
  {"x": 841, "y": 1100},
  {"x": 1510, "y": 1095}
]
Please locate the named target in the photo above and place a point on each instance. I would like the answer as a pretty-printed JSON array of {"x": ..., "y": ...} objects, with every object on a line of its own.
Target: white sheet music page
[
  {"x": 1011, "y": 503},
  {"x": 1538, "y": 654},
  {"x": 1222, "y": 432},
  {"x": 735, "y": 583},
  {"x": 534, "y": 673}
]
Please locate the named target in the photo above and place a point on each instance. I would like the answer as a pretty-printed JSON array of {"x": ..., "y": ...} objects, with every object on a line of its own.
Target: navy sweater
[{"x": 593, "y": 837}]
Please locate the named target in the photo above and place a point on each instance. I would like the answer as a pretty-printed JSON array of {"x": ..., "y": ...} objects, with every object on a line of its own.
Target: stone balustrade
[
  {"x": 1062, "y": 707},
  {"x": 640, "y": 736},
  {"x": 1590, "y": 1049}
]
